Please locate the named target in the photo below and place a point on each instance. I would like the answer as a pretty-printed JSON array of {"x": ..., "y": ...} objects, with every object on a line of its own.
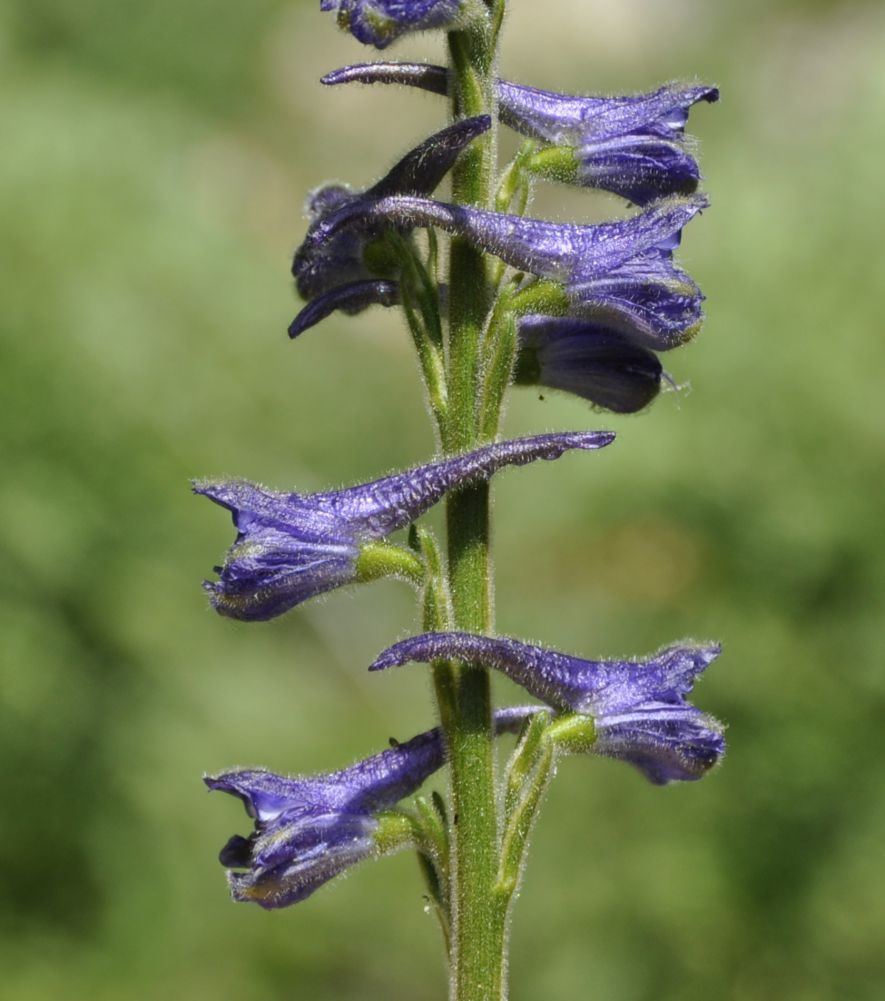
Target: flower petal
[
  {"x": 351, "y": 298},
  {"x": 596, "y": 688},
  {"x": 666, "y": 742},
  {"x": 589, "y": 360},
  {"x": 422, "y": 170},
  {"x": 324, "y": 262},
  {"x": 376, "y": 509},
  {"x": 309, "y": 830},
  {"x": 567, "y": 252}
]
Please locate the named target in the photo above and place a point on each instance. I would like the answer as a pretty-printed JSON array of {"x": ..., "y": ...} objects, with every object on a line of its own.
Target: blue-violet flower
[
  {"x": 291, "y": 546},
  {"x": 309, "y": 830},
  {"x": 620, "y": 274},
  {"x": 638, "y": 707},
  {"x": 634, "y": 146}
]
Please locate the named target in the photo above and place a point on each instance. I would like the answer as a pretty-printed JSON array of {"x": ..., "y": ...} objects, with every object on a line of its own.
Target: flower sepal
[
  {"x": 395, "y": 831},
  {"x": 572, "y": 733},
  {"x": 556, "y": 163},
  {"x": 544, "y": 297},
  {"x": 384, "y": 559}
]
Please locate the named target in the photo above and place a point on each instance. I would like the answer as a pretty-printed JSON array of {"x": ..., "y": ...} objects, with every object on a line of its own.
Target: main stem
[{"x": 478, "y": 933}]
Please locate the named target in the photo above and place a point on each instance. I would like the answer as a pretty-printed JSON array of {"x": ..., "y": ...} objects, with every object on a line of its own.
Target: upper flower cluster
[{"x": 596, "y": 303}]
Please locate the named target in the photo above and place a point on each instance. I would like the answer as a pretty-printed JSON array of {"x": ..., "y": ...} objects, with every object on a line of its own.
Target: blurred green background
[{"x": 155, "y": 158}]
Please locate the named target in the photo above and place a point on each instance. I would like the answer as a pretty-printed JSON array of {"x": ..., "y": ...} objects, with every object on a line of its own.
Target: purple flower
[
  {"x": 320, "y": 267},
  {"x": 309, "y": 830},
  {"x": 291, "y": 547},
  {"x": 634, "y": 146},
  {"x": 619, "y": 274},
  {"x": 587, "y": 359},
  {"x": 638, "y": 707},
  {"x": 380, "y": 22}
]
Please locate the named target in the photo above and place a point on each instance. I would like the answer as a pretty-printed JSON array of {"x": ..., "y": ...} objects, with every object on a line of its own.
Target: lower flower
[
  {"x": 634, "y": 710},
  {"x": 308, "y": 830}
]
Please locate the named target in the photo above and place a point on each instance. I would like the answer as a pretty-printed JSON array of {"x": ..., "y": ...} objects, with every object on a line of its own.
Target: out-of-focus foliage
[{"x": 155, "y": 157}]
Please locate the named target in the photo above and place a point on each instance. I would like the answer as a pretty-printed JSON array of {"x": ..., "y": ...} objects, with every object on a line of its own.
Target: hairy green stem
[{"x": 478, "y": 919}]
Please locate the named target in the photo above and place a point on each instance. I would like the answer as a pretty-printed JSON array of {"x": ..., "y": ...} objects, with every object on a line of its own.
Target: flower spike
[
  {"x": 634, "y": 146},
  {"x": 638, "y": 707},
  {"x": 309, "y": 830},
  {"x": 291, "y": 547}
]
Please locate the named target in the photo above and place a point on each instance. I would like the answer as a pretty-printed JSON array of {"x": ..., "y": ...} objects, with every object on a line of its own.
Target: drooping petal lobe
[
  {"x": 285, "y": 864},
  {"x": 666, "y": 742},
  {"x": 589, "y": 360},
  {"x": 648, "y": 300},
  {"x": 291, "y": 546}
]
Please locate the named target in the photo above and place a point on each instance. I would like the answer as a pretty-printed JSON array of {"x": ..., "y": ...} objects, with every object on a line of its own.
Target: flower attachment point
[{"x": 291, "y": 546}]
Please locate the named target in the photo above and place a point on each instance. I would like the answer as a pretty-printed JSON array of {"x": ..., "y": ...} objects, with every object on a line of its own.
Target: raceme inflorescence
[{"x": 515, "y": 301}]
